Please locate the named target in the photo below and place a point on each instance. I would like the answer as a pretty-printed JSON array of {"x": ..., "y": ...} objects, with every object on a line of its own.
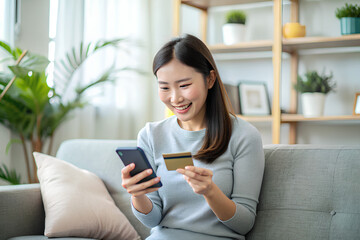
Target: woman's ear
[{"x": 211, "y": 79}]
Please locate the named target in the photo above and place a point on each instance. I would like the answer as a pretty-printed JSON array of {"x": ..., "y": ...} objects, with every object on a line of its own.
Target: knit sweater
[{"x": 178, "y": 212}]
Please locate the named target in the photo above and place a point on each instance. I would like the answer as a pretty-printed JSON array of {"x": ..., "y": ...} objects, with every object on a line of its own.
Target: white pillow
[{"x": 77, "y": 203}]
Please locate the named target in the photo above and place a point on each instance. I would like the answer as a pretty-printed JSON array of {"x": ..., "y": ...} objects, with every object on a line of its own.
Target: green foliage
[
  {"x": 32, "y": 109},
  {"x": 313, "y": 82},
  {"x": 236, "y": 16},
  {"x": 9, "y": 175},
  {"x": 349, "y": 10}
]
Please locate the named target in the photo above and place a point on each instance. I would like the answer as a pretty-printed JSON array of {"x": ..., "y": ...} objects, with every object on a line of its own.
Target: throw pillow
[{"x": 77, "y": 203}]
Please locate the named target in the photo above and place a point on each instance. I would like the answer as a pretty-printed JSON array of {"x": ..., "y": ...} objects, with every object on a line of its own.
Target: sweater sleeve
[
  {"x": 248, "y": 173},
  {"x": 154, "y": 217}
]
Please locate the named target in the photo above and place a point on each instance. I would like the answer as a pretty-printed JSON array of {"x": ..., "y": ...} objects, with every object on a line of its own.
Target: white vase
[
  {"x": 233, "y": 33},
  {"x": 313, "y": 104}
]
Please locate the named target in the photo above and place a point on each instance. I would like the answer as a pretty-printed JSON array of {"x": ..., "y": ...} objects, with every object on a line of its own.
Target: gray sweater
[{"x": 178, "y": 212}]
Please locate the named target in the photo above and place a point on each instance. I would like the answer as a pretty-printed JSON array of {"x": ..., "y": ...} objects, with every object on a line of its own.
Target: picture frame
[
  {"x": 356, "y": 109},
  {"x": 254, "y": 99}
]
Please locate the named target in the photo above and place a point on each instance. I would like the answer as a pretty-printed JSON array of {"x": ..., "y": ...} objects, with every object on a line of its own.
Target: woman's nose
[{"x": 176, "y": 97}]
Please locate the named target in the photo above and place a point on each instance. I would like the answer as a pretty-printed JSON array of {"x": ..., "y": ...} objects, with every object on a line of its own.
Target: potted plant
[
  {"x": 349, "y": 16},
  {"x": 31, "y": 109},
  {"x": 234, "y": 28},
  {"x": 313, "y": 88}
]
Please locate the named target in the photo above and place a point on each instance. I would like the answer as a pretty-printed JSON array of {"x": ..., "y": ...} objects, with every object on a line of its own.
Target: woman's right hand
[{"x": 132, "y": 185}]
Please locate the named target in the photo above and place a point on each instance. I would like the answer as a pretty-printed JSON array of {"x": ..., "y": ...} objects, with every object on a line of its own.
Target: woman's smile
[{"x": 183, "y": 108}]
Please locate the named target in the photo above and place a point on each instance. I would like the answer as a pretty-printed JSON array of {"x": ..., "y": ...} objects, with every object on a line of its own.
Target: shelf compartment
[
  {"x": 256, "y": 118},
  {"x": 292, "y": 44},
  {"x": 290, "y": 118},
  {"x": 205, "y": 4},
  {"x": 253, "y": 46}
]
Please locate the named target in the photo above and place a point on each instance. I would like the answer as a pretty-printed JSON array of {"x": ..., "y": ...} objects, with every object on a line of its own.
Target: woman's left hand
[{"x": 199, "y": 179}]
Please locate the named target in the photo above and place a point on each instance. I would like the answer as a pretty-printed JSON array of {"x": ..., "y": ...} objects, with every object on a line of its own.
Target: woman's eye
[{"x": 185, "y": 85}]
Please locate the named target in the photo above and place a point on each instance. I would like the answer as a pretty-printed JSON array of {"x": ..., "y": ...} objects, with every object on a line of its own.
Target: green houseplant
[
  {"x": 349, "y": 16},
  {"x": 234, "y": 28},
  {"x": 313, "y": 88},
  {"x": 30, "y": 108}
]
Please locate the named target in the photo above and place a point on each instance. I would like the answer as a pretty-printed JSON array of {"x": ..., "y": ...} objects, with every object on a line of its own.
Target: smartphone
[{"x": 136, "y": 155}]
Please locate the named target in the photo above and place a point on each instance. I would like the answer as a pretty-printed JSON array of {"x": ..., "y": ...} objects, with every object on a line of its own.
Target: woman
[{"x": 217, "y": 197}]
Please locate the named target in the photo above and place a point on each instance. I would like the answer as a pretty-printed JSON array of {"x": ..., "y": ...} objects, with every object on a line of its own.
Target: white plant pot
[
  {"x": 313, "y": 104},
  {"x": 233, "y": 33}
]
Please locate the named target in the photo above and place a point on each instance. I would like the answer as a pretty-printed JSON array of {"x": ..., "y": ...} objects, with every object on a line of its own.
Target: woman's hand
[
  {"x": 200, "y": 179},
  {"x": 132, "y": 185}
]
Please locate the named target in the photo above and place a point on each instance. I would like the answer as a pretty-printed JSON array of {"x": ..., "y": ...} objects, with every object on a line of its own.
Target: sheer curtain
[
  {"x": 7, "y": 34},
  {"x": 119, "y": 110}
]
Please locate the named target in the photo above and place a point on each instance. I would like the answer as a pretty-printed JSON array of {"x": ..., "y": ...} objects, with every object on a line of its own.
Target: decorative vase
[
  {"x": 350, "y": 25},
  {"x": 313, "y": 104},
  {"x": 233, "y": 33},
  {"x": 294, "y": 30}
]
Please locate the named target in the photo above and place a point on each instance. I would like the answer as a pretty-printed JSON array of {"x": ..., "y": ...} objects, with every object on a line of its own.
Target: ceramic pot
[
  {"x": 350, "y": 25},
  {"x": 294, "y": 30},
  {"x": 313, "y": 104},
  {"x": 233, "y": 33}
]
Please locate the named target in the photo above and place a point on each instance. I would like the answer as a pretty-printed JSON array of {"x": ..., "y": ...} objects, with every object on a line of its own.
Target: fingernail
[
  {"x": 187, "y": 167},
  {"x": 148, "y": 171}
]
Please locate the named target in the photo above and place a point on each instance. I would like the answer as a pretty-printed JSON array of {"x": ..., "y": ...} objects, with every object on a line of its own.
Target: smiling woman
[{"x": 213, "y": 198}]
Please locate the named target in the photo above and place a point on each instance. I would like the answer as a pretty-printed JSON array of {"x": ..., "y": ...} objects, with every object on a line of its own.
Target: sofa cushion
[
  {"x": 77, "y": 203},
  {"x": 309, "y": 192}
]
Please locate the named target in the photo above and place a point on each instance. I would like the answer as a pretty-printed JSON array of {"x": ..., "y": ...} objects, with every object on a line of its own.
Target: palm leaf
[
  {"x": 7, "y": 49},
  {"x": 35, "y": 63},
  {"x": 66, "y": 68},
  {"x": 9, "y": 175},
  {"x": 34, "y": 89},
  {"x": 55, "y": 115}
]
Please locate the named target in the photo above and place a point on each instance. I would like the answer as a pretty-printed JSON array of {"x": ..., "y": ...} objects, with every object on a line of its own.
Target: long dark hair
[{"x": 192, "y": 52}]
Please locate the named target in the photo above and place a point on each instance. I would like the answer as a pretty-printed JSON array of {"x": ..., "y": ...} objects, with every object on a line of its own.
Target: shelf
[
  {"x": 255, "y": 118},
  {"x": 205, "y": 4},
  {"x": 292, "y": 44},
  {"x": 253, "y": 46},
  {"x": 289, "y": 45},
  {"x": 289, "y": 118}
]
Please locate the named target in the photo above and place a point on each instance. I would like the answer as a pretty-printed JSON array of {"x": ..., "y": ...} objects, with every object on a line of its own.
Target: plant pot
[
  {"x": 233, "y": 33},
  {"x": 350, "y": 25},
  {"x": 313, "y": 104}
]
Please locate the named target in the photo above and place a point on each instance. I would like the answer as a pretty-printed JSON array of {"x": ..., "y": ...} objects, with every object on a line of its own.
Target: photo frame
[
  {"x": 356, "y": 110},
  {"x": 254, "y": 99}
]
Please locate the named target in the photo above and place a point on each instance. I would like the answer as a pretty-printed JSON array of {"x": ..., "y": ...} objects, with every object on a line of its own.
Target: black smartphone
[{"x": 136, "y": 155}]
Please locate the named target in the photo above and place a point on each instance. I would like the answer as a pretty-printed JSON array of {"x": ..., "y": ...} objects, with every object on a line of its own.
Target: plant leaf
[
  {"x": 7, "y": 48},
  {"x": 9, "y": 175},
  {"x": 10, "y": 143}
]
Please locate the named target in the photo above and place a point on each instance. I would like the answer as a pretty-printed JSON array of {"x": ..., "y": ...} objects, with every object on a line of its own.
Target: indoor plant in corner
[
  {"x": 33, "y": 110},
  {"x": 349, "y": 16},
  {"x": 313, "y": 88},
  {"x": 234, "y": 29}
]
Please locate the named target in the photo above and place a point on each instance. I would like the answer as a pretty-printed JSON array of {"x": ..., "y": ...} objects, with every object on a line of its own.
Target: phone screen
[{"x": 137, "y": 156}]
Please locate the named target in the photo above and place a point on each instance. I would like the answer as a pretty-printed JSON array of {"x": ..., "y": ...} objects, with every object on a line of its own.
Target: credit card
[{"x": 174, "y": 161}]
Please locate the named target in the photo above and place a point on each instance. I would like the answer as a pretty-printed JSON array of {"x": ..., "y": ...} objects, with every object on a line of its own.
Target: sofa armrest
[{"x": 21, "y": 211}]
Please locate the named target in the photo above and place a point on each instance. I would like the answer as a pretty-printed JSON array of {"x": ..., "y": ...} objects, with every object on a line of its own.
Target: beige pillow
[{"x": 77, "y": 203}]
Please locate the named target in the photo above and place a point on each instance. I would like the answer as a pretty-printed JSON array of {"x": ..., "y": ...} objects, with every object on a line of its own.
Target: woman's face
[{"x": 184, "y": 92}]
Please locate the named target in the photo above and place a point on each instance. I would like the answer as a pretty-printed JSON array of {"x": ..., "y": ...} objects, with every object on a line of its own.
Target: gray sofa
[{"x": 308, "y": 192}]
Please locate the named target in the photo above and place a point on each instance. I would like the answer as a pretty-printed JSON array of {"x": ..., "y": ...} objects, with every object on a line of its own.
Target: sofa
[{"x": 308, "y": 192}]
